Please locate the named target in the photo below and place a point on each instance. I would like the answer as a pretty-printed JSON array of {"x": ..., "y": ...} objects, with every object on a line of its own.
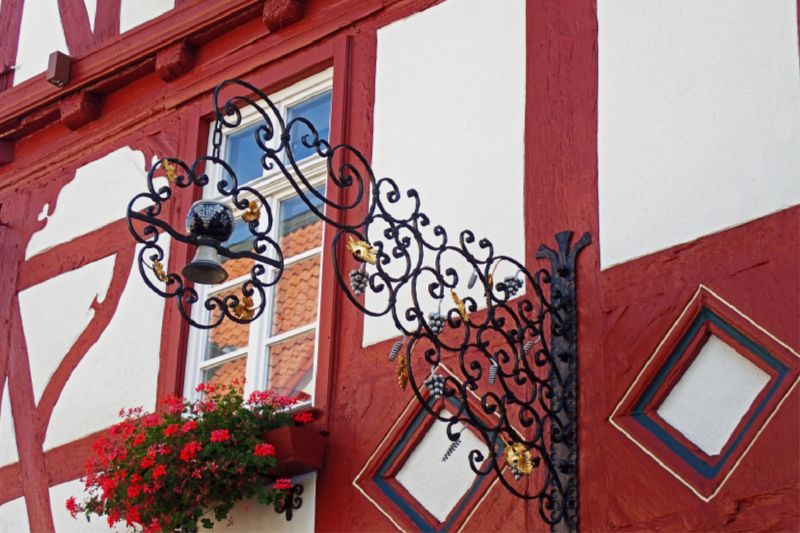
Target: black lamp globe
[{"x": 208, "y": 219}]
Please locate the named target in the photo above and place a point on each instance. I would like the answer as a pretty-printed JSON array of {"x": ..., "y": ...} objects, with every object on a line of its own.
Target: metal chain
[{"x": 217, "y": 139}]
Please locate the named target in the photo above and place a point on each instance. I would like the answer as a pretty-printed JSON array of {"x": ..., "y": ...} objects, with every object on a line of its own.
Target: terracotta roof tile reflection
[
  {"x": 302, "y": 239},
  {"x": 290, "y": 362},
  {"x": 296, "y": 296},
  {"x": 228, "y": 372},
  {"x": 295, "y": 305},
  {"x": 229, "y": 335}
]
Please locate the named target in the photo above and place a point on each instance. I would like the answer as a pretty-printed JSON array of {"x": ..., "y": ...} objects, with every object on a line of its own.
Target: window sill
[{"x": 299, "y": 450}]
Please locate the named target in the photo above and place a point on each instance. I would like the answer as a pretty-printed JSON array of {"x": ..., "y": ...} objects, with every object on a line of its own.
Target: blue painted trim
[
  {"x": 692, "y": 459},
  {"x": 398, "y": 500}
]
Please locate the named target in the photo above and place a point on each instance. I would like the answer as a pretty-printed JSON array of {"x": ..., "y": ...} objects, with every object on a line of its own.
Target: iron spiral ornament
[{"x": 521, "y": 334}]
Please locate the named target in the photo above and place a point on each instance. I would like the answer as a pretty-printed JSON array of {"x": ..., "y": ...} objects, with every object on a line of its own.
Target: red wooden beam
[
  {"x": 79, "y": 109},
  {"x": 77, "y": 29},
  {"x": 116, "y": 53},
  {"x": 175, "y": 61},
  {"x": 6, "y": 152},
  {"x": 279, "y": 14},
  {"x": 10, "y": 23}
]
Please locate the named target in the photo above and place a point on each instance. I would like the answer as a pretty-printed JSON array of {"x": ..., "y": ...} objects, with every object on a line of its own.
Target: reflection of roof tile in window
[
  {"x": 230, "y": 371},
  {"x": 302, "y": 239},
  {"x": 290, "y": 361},
  {"x": 296, "y": 296},
  {"x": 295, "y": 305}
]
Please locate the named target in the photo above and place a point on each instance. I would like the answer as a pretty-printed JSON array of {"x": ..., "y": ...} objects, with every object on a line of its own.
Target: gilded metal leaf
[{"x": 362, "y": 251}]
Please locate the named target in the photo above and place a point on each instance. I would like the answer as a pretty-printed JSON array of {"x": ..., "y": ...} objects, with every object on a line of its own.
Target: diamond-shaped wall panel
[
  {"x": 408, "y": 479},
  {"x": 706, "y": 393}
]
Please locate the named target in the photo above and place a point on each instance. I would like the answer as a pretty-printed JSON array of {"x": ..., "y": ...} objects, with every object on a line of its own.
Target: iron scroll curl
[{"x": 525, "y": 344}]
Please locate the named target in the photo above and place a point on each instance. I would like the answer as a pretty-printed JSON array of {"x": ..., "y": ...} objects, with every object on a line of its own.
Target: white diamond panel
[
  {"x": 439, "y": 485},
  {"x": 713, "y": 395}
]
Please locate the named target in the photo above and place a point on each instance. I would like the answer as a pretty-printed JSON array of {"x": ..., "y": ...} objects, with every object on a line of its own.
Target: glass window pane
[
  {"x": 228, "y": 336},
  {"x": 291, "y": 367},
  {"x": 295, "y": 302},
  {"x": 240, "y": 241},
  {"x": 300, "y": 228},
  {"x": 227, "y": 372},
  {"x": 316, "y": 110},
  {"x": 244, "y": 155}
]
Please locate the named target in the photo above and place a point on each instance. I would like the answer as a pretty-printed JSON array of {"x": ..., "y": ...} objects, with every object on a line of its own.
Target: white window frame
[{"x": 275, "y": 188}]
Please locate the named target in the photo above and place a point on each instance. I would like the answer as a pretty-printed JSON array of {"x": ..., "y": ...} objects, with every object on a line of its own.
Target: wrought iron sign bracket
[
  {"x": 517, "y": 353},
  {"x": 564, "y": 347}
]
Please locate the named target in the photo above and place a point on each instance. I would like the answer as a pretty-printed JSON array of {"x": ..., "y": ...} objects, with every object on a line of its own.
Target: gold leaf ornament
[
  {"x": 158, "y": 268},
  {"x": 462, "y": 309},
  {"x": 362, "y": 251},
  {"x": 245, "y": 310},
  {"x": 253, "y": 212},
  {"x": 402, "y": 372},
  {"x": 518, "y": 457},
  {"x": 169, "y": 169}
]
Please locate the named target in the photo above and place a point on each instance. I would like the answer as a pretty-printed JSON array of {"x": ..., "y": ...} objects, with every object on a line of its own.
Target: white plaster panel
[
  {"x": 91, "y": 9},
  {"x": 40, "y": 35},
  {"x": 63, "y": 521},
  {"x": 439, "y": 485},
  {"x": 449, "y": 122},
  {"x": 56, "y": 312},
  {"x": 250, "y": 516},
  {"x": 699, "y": 119},
  {"x": 120, "y": 370},
  {"x": 135, "y": 12},
  {"x": 14, "y": 516},
  {"x": 713, "y": 395},
  {"x": 107, "y": 185},
  {"x": 8, "y": 437}
]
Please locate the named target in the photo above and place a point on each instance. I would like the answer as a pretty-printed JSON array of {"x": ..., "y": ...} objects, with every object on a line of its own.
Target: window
[{"x": 277, "y": 351}]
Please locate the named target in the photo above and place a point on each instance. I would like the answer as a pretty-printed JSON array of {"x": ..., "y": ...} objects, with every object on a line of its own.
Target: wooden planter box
[{"x": 298, "y": 450}]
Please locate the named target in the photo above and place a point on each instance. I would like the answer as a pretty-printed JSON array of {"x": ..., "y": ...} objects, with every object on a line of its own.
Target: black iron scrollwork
[
  {"x": 524, "y": 379},
  {"x": 293, "y": 501}
]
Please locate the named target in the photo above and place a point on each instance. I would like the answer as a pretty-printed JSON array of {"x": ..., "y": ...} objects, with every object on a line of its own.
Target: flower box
[{"x": 298, "y": 450}]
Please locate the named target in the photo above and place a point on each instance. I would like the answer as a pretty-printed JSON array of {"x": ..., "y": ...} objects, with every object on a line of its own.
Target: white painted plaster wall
[
  {"x": 713, "y": 395},
  {"x": 449, "y": 122},
  {"x": 107, "y": 185},
  {"x": 439, "y": 485},
  {"x": 135, "y": 12},
  {"x": 250, "y": 517},
  {"x": 8, "y": 437},
  {"x": 699, "y": 119},
  {"x": 40, "y": 35},
  {"x": 63, "y": 521},
  {"x": 56, "y": 312},
  {"x": 91, "y": 9},
  {"x": 14, "y": 516},
  {"x": 120, "y": 370}
]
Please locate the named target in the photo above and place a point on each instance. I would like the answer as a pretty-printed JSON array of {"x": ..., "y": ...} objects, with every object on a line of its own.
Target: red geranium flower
[
  {"x": 159, "y": 471},
  {"x": 189, "y": 451},
  {"x": 283, "y": 484},
  {"x": 304, "y": 417},
  {"x": 220, "y": 435},
  {"x": 264, "y": 450}
]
